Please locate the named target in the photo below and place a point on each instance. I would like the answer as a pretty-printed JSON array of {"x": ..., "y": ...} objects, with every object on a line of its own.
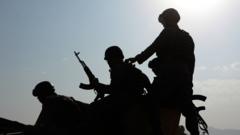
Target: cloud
[
  {"x": 222, "y": 68},
  {"x": 230, "y": 71},
  {"x": 235, "y": 66},
  {"x": 219, "y": 87},
  {"x": 201, "y": 68},
  {"x": 222, "y": 101}
]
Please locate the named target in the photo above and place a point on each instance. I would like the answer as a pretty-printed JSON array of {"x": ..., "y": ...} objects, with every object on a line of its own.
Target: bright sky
[{"x": 38, "y": 37}]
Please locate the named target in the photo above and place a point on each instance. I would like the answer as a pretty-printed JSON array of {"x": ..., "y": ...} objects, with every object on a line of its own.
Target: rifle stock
[{"x": 86, "y": 86}]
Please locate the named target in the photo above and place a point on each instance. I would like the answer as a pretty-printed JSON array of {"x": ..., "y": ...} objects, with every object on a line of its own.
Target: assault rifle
[{"x": 92, "y": 79}]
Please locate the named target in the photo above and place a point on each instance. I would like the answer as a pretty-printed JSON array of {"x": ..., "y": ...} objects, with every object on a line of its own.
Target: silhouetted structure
[{"x": 174, "y": 68}]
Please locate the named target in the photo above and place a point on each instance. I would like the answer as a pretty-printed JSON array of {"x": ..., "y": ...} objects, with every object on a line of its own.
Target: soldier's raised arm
[{"x": 169, "y": 19}]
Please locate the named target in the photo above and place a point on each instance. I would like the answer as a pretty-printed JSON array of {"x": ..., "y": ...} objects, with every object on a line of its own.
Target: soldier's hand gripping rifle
[{"x": 92, "y": 79}]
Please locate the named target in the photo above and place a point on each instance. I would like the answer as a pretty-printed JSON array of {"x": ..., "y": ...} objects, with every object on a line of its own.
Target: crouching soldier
[{"x": 59, "y": 114}]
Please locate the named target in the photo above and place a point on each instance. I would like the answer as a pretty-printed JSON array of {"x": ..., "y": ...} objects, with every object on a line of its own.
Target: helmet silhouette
[
  {"x": 113, "y": 52},
  {"x": 170, "y": 16},
  {"x": 43, "y": 88}
]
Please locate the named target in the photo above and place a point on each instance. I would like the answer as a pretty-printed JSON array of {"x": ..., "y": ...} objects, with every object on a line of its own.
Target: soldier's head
[
  {"x": 155, "y": 65},
  {"x": 169, "y": 17},
  {"x": 113, "y": 56},
  {"x": 43, "y": 90}
]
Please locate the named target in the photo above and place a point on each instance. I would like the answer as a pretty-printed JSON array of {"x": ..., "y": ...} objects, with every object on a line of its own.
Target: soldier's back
[
  {"x": 62, "y": 110},
  {"x": 127, "y": 79}
]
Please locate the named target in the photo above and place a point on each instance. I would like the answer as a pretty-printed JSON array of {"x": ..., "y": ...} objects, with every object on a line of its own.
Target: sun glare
[{"x": 198, "y": 6}]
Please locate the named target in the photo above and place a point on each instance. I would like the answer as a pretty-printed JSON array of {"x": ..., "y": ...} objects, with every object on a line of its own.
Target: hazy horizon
[{"x": 38, "y": 37}]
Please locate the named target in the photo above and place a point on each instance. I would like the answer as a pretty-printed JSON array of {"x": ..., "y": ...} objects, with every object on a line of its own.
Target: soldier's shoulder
[
  {"x": 52, "y": 97},
  {"x": 171, "y": 32},
  {"x": 133, "y": 69},
  {"x": 184, "y": 33},
  {"x": 57, "y": 99}
]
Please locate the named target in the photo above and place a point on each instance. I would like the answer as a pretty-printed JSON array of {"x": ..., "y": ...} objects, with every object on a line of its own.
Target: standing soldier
[{"x": 175, "y": 66}]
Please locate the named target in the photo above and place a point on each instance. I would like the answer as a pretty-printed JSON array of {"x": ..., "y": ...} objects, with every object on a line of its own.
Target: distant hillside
[{"x": 215, "y": 131}]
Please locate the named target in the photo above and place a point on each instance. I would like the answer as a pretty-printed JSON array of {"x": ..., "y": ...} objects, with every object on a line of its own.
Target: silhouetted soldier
[
  {"x": 125, "y": 89},
  {"x": 59, "y": 113},
  {"x": 175, "y": 52}
]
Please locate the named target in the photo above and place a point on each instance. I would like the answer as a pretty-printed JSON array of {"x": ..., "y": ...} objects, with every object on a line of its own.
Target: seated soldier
[{"x": 127, "y": 85}]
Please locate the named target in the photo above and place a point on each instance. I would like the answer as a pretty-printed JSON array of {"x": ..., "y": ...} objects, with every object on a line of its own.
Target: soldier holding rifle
[{"x": 127, "y": 85}]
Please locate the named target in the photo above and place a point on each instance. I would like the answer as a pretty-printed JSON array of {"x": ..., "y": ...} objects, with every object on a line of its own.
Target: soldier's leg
[
  {"x": 152, "y": 108},
  {"x": 191, "y": 121},
  {"x": 169, "y": 120}
]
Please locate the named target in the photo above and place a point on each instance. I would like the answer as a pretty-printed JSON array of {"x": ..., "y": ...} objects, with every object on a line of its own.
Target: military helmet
[
  {"x": 43, "y": 88},
  {"x": 154, "y": 63},
  {"x": 169, "y": 15},
  {"x": 113, "y": 52}
]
